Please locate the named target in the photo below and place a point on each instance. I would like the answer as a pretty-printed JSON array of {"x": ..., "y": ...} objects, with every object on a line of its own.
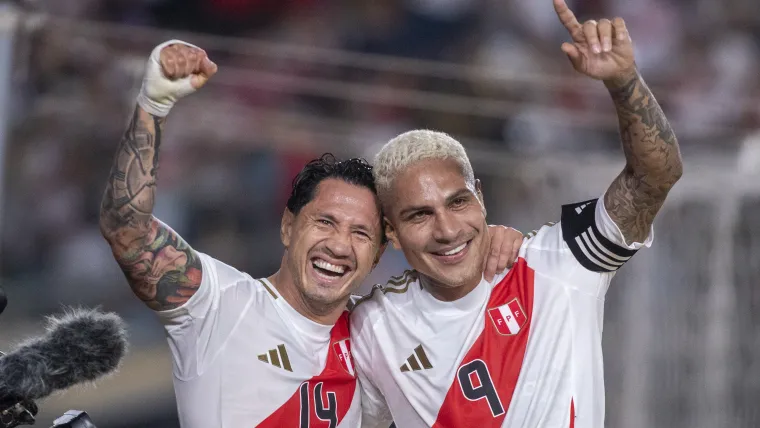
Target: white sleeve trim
[{"x": 611, "y": 231}]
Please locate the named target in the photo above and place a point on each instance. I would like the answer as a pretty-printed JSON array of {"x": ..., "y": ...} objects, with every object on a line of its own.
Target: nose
[
  {"x": 339, "y": 244},
  {"x": 446, "y": 228}
]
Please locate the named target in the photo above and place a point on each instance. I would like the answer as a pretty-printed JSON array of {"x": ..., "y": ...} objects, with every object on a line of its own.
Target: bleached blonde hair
[{"x": 411, "y": 147}]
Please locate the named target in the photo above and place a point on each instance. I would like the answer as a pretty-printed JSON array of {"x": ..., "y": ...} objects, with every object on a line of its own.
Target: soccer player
[
  {"x": 439, "y": 346},
  {"x": 267, "y": 352}
]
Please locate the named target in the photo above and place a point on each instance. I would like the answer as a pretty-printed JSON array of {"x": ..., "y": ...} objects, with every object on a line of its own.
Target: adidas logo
[
  {"x": 277, "y": 357},
  {"x": 579, "y": 209},
  {"x": 417, "y": 361}
]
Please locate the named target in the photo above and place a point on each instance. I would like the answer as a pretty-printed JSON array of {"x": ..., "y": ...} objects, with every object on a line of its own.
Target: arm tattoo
[
  {"x": 653, "y": 160},
  {"x": 161, "y": 268}
]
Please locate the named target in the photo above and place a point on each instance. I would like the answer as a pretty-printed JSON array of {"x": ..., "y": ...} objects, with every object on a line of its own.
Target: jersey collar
[
  {"x": 306, "y": 326},
  {"x": 473, "y": 300}
]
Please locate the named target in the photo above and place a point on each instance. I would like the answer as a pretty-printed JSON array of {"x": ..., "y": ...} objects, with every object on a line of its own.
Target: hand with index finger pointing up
[{"x": 602, "y": 50}]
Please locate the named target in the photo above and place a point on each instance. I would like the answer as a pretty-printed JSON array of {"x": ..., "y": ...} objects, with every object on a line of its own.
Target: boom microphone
[{"x": 80, "y": 346}]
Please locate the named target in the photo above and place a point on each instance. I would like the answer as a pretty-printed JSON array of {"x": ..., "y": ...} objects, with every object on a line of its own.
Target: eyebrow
[
  {"x": 463, "y": 192},
  {"x": 362, "y": 227},
  {"x": 449, "y": 199},
  {"x": 330, "y": 217}
]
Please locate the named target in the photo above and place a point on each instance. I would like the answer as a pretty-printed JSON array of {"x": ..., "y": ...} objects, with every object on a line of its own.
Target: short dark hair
[{"x": 356, "y": 171}]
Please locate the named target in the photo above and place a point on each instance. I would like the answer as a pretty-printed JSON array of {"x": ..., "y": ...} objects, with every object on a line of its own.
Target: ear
[
  {"x": 479, "y": 192},
  {"x": 380, "y": 252},
  {"x": 286, "y": 227},
  {"x": 390, "y": 233}
]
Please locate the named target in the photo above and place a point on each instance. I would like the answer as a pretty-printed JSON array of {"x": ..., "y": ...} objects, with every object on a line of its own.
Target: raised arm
[
  {"x": 161, "y": 268},
  {"x": 603, "y": 50},
  {"x": 653, "y": 160}
]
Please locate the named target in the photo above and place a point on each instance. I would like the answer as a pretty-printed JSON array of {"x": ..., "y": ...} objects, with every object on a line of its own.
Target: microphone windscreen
[{"x": 79, "y": 346}]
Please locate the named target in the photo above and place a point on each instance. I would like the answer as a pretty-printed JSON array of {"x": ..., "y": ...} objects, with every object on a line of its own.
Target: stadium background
[{"x": 299, "y": 77}]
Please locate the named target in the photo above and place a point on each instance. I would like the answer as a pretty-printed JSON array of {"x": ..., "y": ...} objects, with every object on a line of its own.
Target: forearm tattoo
[
  {"x": 653, "y": 160},
  {"x": 162, "y": 269}
]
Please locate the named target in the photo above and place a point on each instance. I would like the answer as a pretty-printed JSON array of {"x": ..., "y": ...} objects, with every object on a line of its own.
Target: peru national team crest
[
  {"x": 343, "y": 349},
  {"x": 509, "y": 318}
]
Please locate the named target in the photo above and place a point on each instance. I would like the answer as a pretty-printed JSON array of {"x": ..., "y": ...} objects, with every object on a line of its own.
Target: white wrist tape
[{"x": 158, "y": 93}]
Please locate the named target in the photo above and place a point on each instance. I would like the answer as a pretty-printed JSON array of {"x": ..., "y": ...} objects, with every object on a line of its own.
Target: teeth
[
  {"x": 455, "y": 250},
  {"x": 328, "y": 266}
]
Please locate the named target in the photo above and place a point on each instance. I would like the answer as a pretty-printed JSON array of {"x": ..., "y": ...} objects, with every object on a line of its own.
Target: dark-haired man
[{"x": 266, "y": 352}]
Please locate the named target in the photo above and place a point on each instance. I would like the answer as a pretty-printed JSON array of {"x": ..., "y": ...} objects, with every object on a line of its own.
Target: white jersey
[
  {"x": 523, "y": 351},
  {"x": 244, "y": 358}
]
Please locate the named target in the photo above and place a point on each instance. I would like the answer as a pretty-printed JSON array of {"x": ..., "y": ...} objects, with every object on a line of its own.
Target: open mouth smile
[
  {"x": 328, "y": 272},
  {"x": 453, "y": 254}
]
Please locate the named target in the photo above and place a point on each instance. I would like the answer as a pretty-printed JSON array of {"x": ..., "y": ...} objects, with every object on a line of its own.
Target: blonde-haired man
[{"x": 443, "y": 347}]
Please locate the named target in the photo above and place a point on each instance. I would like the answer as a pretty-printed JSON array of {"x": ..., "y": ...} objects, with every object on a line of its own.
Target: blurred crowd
[
  {"x": 498, "y": 82},
  {"x": 230, "y": 155}
]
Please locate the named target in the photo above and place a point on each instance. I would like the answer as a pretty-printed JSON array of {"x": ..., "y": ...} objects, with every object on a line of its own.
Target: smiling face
[
  {"x": 332, "y": 243},
  {"x": 438, "y": 220}
]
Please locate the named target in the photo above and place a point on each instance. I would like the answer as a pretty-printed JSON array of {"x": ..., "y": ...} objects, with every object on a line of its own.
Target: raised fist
[{"x": 175, "y": 69}]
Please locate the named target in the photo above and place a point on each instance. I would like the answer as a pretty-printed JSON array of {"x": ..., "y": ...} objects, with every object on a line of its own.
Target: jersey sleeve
[
  {"x": 375, "y": 411},
  {"x": 594, "y": 239},
  {"x": 198, "y": 327}
]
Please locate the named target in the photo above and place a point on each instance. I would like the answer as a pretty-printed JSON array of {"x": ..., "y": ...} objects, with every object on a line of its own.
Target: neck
[
  {"x": 447, "y": 293},
  {"x": 319, "y": 313}
]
